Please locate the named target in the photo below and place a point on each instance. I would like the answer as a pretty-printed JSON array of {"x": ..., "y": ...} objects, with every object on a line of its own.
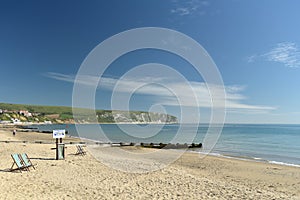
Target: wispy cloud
[
  {"x": 167, "y": 91},
  {"x": 184, "y": 8},
  {"x": 286, "y": 53},
  {"x": 252, "y": 58}
]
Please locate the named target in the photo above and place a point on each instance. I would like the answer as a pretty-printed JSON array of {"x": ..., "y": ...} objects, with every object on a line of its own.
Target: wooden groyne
[
  {"x": 120, "y": 144},
  {"x": 157, "y": 145},
  {"x": 171, "y": 146}
]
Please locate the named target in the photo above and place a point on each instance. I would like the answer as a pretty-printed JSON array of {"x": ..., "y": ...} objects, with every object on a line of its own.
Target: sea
[{"x": 273, "y": 143}]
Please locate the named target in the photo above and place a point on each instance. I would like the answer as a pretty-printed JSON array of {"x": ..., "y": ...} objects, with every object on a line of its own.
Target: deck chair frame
[
  {"x": 18, "y": 161},
  {"x": 26, "y": 160},
  {"x": 80, "y": 150}
]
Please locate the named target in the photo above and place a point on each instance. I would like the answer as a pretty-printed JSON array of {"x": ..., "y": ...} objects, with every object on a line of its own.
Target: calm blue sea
[{"x": 272, "y": 143}]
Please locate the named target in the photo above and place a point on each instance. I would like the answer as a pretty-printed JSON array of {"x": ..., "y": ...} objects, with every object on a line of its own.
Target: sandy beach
[{"x": 85, "y": 177}]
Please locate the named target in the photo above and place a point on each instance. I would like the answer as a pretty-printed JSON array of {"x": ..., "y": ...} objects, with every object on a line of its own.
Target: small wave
[
  {"x": 283, "y": 163},
  {"x": 211, "y": 154},
  {"x": 245, "y": 158},
  {"x": 257, "y": 158},
  {"x": 215, "y": 154}
]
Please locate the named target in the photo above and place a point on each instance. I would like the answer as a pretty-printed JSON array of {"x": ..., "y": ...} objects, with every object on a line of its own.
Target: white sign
[{"x": 59, "y": 133}]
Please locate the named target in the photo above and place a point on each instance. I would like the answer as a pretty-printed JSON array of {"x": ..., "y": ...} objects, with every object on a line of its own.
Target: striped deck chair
[
  {"x": 18, "y": 162},
  {"x": 27, "y": 161}
]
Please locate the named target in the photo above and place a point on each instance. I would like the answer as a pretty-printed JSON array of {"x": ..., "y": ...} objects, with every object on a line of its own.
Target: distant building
[
  {"x": 1, "y": 111},
  {"x": 10, "y": 111},
  {"x": 25, "y": 113},
  {"x": 4, "y": 122},
  {"x": 16, "y": 121}
]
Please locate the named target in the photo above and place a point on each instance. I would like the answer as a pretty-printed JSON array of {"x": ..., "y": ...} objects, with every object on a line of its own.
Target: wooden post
[
  {"x": 59, "y": 134},
  {"x": 56, "y": 148}
]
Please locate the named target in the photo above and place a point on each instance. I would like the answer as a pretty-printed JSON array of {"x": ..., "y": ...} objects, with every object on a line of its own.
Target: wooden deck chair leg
[
  {"x": 28, "y": 160},
  {"x": 12, "y": 167}
]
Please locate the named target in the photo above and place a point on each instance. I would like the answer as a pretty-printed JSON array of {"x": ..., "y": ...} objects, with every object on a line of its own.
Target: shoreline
[
  {"x": 212, "y": 154},
  {"x": 241, "y": 158},
  {"x": 218, "y": 154},
  {"x": 251, "y": 159}
]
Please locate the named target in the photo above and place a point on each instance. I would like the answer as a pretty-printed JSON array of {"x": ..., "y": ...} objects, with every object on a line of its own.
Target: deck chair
[
  {"x": 18, "y": 162},
  {"x": 26, "y": 161},
  {"x": 80, "y": 150}
]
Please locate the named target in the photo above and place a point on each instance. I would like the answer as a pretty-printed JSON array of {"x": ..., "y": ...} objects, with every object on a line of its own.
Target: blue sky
[{"x": 255, "y": 45}]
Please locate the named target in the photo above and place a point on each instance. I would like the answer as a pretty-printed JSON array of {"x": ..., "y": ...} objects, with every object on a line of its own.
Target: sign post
[{"x": 60, "y": 147}]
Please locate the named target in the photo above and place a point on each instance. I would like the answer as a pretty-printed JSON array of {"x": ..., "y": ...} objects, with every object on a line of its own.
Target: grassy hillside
[
  {"x": 36, "y": 108},
  {"x": 63, "y": 114}
]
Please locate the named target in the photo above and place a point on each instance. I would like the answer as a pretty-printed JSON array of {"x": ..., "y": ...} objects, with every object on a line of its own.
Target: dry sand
[{"x": 84, "y": 177}]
